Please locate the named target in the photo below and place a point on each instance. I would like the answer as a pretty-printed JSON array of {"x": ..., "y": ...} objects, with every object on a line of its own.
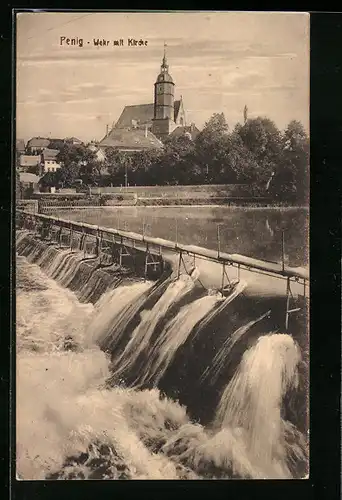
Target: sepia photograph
[{"x": 162, "y": 245}]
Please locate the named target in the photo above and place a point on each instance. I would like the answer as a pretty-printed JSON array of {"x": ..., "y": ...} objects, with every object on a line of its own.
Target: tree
[
  {"x": 76, "y": 160},
  {"x": 50, "y": 179},
  {"x": 75, "y": 153},
  {"x": 67, "y": 174},
  {"x": 291, "y": 179},
  {"x": 34, "y": 169},
  {"x": 118, "y": 165},
  {"x": 210, "y": 147},
  {"x": 264, "y": 140},
  {"x": 56, "y": 144},
  {"x": 241, "y": 165}
]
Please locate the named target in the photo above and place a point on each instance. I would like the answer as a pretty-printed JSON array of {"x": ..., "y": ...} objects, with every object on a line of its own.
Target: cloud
[
  {"x": 285, "y": 55},
  {"x": 74, "y": 116},
  {"x": 62, "y": 62}
]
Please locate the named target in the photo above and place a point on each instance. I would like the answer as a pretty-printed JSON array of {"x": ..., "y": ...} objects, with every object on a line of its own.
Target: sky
[{"x": 219, "y": 61}]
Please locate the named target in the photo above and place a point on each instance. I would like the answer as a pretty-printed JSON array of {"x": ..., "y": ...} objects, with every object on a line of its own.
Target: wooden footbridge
[{"x": 156, "y": 250}]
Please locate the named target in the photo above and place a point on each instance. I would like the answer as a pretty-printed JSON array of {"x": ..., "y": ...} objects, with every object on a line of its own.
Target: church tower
[{"x": 164, "y": 90}]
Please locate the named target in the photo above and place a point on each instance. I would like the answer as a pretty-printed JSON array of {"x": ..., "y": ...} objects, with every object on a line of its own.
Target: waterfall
[
  {"x": 250, "y": 405},
  {"x": 110, "y": 307},
  {"x": 222, "y": 355},
  {"x": 156, "y": 336},
  {"x": 174, "y": 335},
  {"x": 237, "y": 289},
  {"x": 142, "y": 334}
]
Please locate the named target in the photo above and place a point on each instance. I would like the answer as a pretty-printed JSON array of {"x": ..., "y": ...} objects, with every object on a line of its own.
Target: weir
[
  {"x": 163, "y": 335},
  {"x": 150, "y": 253}
]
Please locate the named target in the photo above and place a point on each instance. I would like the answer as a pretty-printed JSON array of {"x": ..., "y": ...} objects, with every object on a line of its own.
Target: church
[{"x": 145, "y": 126}]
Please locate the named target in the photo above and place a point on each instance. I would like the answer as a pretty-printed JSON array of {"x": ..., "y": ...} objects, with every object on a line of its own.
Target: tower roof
[{"x": 164, "y": 75}]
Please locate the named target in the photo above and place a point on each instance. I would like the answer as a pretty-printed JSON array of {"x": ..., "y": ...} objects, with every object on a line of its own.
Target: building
[
  {"x": 36, "y": 145},
  {"x": 73, "y": 140},
  {"x": 28, "y": 162},
  {"x": 190, "y": 131},
  {"x": 49, "y": 161},
  {"x": 99, "y": 153},
  {"x": 29, "y": 184},
  {"x": 17, "y": 186},
  {"x": 20, "y": 146},
  {"x": 131, "y": 140},
  {"x": 146, "y": 126}
]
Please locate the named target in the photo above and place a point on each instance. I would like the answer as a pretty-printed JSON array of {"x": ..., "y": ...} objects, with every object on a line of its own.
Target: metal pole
[
  {"x": 218, "y": 241},
  {"x": 223, "y": 270},
  {"x": 287, "y": 304},
  {"x": 176, "y": 232},
  {"x": 146, "y": 261},
  {"x": 70, "y": 237},
  {"x": 283, "y": 250},
  {"x": 179, "y": 263}
]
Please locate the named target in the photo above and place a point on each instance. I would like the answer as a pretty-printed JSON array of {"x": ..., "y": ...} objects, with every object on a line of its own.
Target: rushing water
[
  {"x": 255, "y": 232},
  {"x": 112, "y": 377}
]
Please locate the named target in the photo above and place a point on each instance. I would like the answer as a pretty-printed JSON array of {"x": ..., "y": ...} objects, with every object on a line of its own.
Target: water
[
  {"x": 85, "y": 412},
  {"x": 255, "y": 232},
  {"x": 141, "y": 336}
]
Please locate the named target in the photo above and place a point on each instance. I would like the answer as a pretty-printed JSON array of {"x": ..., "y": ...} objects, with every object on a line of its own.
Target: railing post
[
  {"x": 218, "y": 241},
  {"x": 287, "y": 304},
  {"x": 223, "y": 271},
  {"x": 146, "y": 261},
  {"x": 70, "y": 242},
  {"x": 283, "y": 250},
  {"x": 176, "y": 232},
  {"x": 59, "y": 238},
  {"x": 179, "y": 263}
]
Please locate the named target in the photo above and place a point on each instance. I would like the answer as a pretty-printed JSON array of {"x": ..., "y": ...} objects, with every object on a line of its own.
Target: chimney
[
  {"x": 145, "y": 130},
  {"x": 107, "y": 129}
]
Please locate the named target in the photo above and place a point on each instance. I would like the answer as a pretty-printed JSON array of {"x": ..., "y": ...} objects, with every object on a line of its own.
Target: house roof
[
  {"x": 191, "y": 129},
  {"x": 20, "y": 145},
  {"x": 133, "y": 139},
  {"x": 38, "y": 142},
  {"x": 142, "y": 114},
  {"x": 50, "y": 154},
  {"x": 29, "y": 160},
  {"x": 25, "y": 177},
  {"x": 73, "y": 139}
]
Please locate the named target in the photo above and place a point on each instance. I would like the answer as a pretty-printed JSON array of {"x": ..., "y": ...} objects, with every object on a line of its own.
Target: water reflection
[{"x": 255, "y": 232}]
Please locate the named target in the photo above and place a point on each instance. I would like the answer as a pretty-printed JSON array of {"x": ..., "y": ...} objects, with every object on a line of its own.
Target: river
[
  {"x": 255, "y": 232},
  {"x": 123, "y": 378}
]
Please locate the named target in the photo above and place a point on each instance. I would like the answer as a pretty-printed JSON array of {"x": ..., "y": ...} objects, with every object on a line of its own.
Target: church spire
[{"x": 164, "y": 67}]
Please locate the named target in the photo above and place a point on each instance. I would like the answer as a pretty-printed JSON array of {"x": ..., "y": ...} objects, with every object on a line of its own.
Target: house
[
  {"x": 99, "y": 153},
  {"x": 20, "y": 146},
  {"x": 190, "y": 131},
  {"x": 29, "y": 183},
  {"x": 17, "y": 186},
  {"x": 27, "y": 162},
  {"x": 36, "y": 145},
  {"x": 73, "y": 140},
  {"x": 49, "y": 161},
  {"x": 130, "y": 140}
]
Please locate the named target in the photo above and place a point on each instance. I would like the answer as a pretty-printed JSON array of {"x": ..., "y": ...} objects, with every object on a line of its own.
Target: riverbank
[{"x": 47, "y": 208}]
